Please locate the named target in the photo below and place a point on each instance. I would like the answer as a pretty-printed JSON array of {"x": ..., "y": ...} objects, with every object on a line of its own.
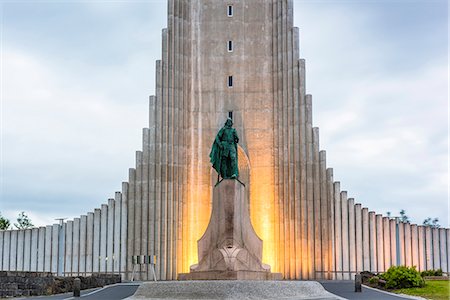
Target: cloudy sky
[{"x": 76, "y": 76}]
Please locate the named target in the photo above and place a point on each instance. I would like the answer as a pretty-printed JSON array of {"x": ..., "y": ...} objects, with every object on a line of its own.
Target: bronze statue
[{"x": 224, "y": 157}]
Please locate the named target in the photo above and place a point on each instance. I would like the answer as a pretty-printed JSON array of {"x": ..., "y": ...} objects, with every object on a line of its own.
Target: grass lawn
[{"x": 433, "y": 289}]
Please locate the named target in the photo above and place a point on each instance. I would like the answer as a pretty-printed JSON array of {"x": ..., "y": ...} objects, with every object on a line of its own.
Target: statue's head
[{"x": 229, "y": 122}]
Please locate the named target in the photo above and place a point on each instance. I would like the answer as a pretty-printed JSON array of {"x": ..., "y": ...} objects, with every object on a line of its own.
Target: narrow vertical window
[
  {"x": 230, "y": 115},
  {"x": 230, "y": 81},
  {"x": 230, "y": 46},
  {"x": 230, "y": 10}
]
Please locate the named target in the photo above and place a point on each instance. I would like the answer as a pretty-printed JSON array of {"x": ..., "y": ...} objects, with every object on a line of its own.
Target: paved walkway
[
  {"x": 346, "y": 289},
  {"x": 111, "y": 292},
  {"x": 342, "y": 288}
]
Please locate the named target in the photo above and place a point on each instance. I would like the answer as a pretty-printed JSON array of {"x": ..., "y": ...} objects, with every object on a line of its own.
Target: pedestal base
[{"x": 230, "y": 275}]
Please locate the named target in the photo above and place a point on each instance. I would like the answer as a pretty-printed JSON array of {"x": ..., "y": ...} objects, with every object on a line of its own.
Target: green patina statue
[{"x": 224, "y": 157}]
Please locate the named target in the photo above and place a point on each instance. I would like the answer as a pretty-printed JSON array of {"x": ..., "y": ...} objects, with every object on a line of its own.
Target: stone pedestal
[{"x": 230, "y": 249}]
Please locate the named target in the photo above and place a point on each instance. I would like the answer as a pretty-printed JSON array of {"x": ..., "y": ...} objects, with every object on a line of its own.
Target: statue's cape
[{"x": 215, "y": 156}]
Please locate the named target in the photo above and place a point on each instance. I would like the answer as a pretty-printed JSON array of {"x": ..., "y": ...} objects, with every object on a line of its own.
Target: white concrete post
[
  {"x": 443, "y": 249},
  {"x": 54, "y": 248},
  {"x": 422, "y": 258},
  {"x": 352, "y": 239},
  {"x": 68, "y": 249},
  {"x": 365, "y": 239},
  {"x": 96, "y": 243},
  {"x": 2, "y": 237},
  {"x": 338, "y": 230},
  {"x": 408, "y": 256},
  {"x": 359, "y": 238},
  {"x": 110, "y": 237},
  {"x": 20, "y": 249},
  {"x": 387, "y": 243},
  {"x": 27, "y": 251},
  {"x": 428, "y": 248},
  {"x": 117, "y": 225},
  {"x": 34, "y": 249},
  {"x": 345, "y": 239},
  {"x": 103, "y": 237},
  {"x": 435, "y": 245},
  {"x": 414, "y": 245},
  {"x": 42, "y": 249},
  {"x": 76, "y": 247},
  {"x": 373, "y": 242},
  {"x": 393, "y": 238},
  {"x": 401, "y": 245},
  {"x": 380, "y": 246},
  {"x": 13, "y": 251},
  {"x": 6, "y": 249},
  {"x": 90, "y": 240},
  {"x": 83, "y": 244},
  {"x": 124, "y": 229}
]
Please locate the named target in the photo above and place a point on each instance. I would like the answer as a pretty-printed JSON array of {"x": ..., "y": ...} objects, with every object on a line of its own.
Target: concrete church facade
[{"x": 220, "y": 59}]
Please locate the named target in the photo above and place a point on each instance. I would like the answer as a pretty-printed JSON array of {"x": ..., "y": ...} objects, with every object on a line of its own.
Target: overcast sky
[{"x": 76, "y": 76}]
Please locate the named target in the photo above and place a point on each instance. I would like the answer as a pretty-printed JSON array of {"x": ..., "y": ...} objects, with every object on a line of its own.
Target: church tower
[{"x": 237, "y": 59}]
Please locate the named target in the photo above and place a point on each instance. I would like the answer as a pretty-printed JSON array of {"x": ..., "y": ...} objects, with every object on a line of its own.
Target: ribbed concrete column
[
  {"x": 309, "y": 185},
  {"x": 13, "y": 251},
  {"x": 1, "y": 248},
  {"x": 19, "y": 251},
  {"x": 55, "y": 248},
  {"x": 393, "y": 235},
  {"x": 130, "y": 217},
  {"x": 6, "y": 248},
  {"x": 145, "y": 198},
  {"x": 116, "y": 237},
  {"x": 365, "y": 239},
  {"x": 138, "y": 210},
  {"x": 34, "y": 249},
  {"x": 48, "y": 248},
  {"x": 380, "y": 246},
  {"x": 408, "y": 256},
  {"x": 447, "y": 232},
  {"x": 90, "y": 241},
  {"x": 401, "y": 237},
  {"x": 351, "y": 239},
  {"x": 83, "y": 243},
  {"x": 318, "y": 256},
  {"x": 27, "y": 251},
  {"x": 345, "y": 236},
  {"x": 386, "y": 243},
  {"x": 96, "y": 241},
  {"x": 331, "y": 202},
  {"x": 68, "y": 247},
  {"x": 152, "y": 174},
  {"x": 324, "y": 217},
  {"x": 359, "y": 238},
  {"x": 124, "y": 230},
  {"x": 443, "y": 249},
  {"x": 303, "y": 195},
  {"x": 422, "y": 258},
  {"x": 414, "y": 245},
  {"x": 428, "y": 251},
  {"x": 76, "y": 246},
  {"x": 41, "y": 249},
  {"x": 103, "y": 237},
  {"x": 110, "y": 237},
  {"x": 338, "y": 230},
  {"x": 373, "y": 242},
  {"x": 435, "y": 245}
]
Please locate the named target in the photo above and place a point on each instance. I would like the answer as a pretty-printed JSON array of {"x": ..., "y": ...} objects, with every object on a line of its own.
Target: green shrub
[
  {"x": 437, "y": 272},
  {"x": 398, "y": 277},
  {"x": 374, "y": 280}
]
